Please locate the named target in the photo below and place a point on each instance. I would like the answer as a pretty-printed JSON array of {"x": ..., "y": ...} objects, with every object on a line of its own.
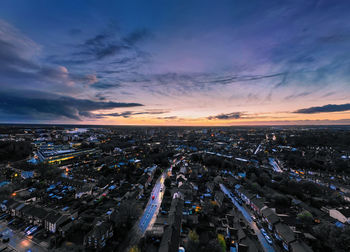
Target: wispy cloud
[
  {"x": 297, "y": 95},
  {"x": 105, "y": 45}
]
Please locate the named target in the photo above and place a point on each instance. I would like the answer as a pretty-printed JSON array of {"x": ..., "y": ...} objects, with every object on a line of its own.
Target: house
[
  {"x": 100, "y": 233},
  {"x": 18, "y": 210},
  {"x": 245, "y": 195},
  {"x": 270, "y": 218},
  {"x": 209, "y": 186},
  {"x": 299, "y": 246},
  {"x": 53, "y": 220},
  {"x": 219, "y": 198},
  {"x": 284, "y": 234},
  {"x": 171, "y": 237},
  {"x": 5, "y": 205},
  {"x": 34, "y": 215},
  {"x": 257, "y": 204},
  {"x": 186, "y": 189},
  {"x": 85, "y": 190},
  {"x": 340, "y": 214},
  {"x": 11, "y": 207}
]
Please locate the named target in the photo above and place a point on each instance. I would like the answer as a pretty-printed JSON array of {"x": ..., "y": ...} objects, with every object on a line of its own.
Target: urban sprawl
[{"x": 174, "y": 189}]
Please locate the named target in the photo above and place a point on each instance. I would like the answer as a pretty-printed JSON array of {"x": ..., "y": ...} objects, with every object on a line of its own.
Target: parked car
[
  {"x": 3, "y": 216},
  {"x": 32, "y": 230},
  {"x": 268, "y": 239},
  {"x": 253, "y": 218},
  {"x": 27, "y": 228}
]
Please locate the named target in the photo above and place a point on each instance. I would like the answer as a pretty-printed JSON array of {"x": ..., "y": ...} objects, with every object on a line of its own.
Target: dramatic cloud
[
  {"x": 259, "y": 57},
  {"x": 325, "y": 109},
  {"x": 18, "y": 63},
  {"x": 40, "y": 105}
]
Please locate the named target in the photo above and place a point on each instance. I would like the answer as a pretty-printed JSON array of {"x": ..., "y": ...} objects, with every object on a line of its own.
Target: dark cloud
[
  {"x": 127, "y": 114},
  {"x": 325, "y": 109},
  {"x": 234, "y": 115},
  {"x": 41, "y": 105}
]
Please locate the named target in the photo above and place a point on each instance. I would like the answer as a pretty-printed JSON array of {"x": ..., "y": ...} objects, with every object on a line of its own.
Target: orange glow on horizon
[{"x": 262, "y": 119}]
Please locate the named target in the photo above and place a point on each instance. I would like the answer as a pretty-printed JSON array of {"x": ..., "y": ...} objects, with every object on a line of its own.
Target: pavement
[
  {"x": 18, "y": 241},
  {"x": 267, "y": 247}
]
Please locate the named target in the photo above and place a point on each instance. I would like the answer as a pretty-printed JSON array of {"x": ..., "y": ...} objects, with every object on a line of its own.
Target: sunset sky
[{"x": 175, "y": 62}]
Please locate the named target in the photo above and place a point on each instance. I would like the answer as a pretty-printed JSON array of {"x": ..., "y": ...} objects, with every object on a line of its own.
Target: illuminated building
[{"x": 56, "y": 155}]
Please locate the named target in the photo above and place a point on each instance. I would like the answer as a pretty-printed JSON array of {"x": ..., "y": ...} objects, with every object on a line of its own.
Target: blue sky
[{"x": 175, "y": 62}]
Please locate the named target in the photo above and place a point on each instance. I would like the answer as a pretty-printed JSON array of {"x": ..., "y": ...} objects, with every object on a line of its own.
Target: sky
[{"x": 175, "y": 62}]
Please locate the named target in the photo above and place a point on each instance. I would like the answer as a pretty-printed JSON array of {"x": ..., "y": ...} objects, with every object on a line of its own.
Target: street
[
  {"x": 248, "y": 218},
  {"x": 152, "y": 208}
]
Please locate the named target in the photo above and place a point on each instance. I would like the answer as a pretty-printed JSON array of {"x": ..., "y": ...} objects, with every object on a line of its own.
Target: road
[
  {"x": 275, "y": 166},
  {"x": 151, "y": 211},
  {"x": 248, "y": 218},
  {"x": 19, "y": 241}
]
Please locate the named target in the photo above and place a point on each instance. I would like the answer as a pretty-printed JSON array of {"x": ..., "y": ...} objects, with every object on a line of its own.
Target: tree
[
  {"x": 212, "y": 246},
  {"x": 222, "y": 242},
  {"x": 134, "y": 249},
  {"x": 193, "y": 241},
  {"x": 336, "y": 238},
  {"x": 157, "y": 173},
  {"x": 167, "y": 182},
  {"x": 128, "y": 211},
  {"x": 14, "y": 151},
  {"x": 281, "y": 200},
  {"x": 305, "y": 217}
]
